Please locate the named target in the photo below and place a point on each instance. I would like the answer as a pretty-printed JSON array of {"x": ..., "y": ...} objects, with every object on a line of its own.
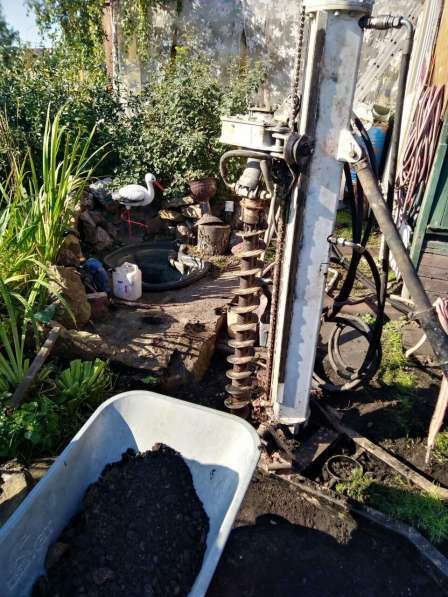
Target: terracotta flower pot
[{"x": 204, "y": 189}]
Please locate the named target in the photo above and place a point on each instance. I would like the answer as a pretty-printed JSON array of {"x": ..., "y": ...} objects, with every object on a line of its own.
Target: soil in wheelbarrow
[{"x": 141, "y": 532}]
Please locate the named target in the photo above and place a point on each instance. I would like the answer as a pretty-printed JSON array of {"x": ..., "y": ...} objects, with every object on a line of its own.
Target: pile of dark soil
[
  {"x": 287, "y": 546},
  {"x": 142, "y": 532}
]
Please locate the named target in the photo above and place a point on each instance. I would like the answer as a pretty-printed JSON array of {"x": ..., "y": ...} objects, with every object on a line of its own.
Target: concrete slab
[{"x": 173, "y": 336}]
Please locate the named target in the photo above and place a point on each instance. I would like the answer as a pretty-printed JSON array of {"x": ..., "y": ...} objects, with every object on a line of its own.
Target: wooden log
[
  {"x": 213, "y": 239},
  {"x": 35, "y": 367}
]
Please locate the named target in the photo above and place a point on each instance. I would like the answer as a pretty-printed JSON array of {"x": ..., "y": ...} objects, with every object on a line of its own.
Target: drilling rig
[{"x": 293, "y": 168}]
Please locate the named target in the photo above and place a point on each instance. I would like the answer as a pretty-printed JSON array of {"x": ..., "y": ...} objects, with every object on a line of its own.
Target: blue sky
[{"x": 16, "y": 15}]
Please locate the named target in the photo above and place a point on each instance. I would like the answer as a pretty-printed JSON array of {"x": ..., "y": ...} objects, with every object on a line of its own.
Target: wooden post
[{"x": 35, "y": 367}]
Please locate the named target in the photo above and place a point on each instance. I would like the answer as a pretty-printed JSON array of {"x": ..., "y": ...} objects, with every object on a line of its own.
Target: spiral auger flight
[{"x": 241, "y": 387}]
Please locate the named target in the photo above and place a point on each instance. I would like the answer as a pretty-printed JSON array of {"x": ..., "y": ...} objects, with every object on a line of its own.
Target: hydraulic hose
[
  {"x": 357, "y": 208},
  {"x": 239, "y": 153},
  {"x": 355, "y": 201},
  {"x": 372, "y": 360},
  {"x": 424, "y": 311},
  {"x": 367, "y": 141}
]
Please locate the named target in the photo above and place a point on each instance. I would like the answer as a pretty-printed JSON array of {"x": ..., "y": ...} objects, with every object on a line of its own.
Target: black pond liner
[{"x": 153, "y": 258}]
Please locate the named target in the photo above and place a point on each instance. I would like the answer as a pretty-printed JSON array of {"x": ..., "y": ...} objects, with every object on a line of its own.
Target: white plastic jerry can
[{"x": 127, "y": 281}]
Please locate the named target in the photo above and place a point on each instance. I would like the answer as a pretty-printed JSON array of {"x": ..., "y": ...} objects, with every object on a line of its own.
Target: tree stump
[{"x": 213, "y": 239}]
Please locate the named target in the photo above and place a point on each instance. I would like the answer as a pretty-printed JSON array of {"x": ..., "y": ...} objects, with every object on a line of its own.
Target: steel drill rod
[{"x": 424, "y": 312}]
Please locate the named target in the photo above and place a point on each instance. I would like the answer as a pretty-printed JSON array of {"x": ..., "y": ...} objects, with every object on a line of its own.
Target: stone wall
[
  {"x": 226, "y": 30},
  {"x": 264, "y": 30}
]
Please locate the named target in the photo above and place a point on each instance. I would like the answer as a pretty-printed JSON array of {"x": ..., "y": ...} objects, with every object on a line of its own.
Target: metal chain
[
  {"x": 295, "y": 82},
  {"x": 281, "y": 231}
]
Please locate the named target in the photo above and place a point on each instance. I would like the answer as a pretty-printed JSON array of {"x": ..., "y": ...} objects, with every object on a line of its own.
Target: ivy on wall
[
  {"x": 80, "y": 22},
  {"x": 134, "y": 20}
]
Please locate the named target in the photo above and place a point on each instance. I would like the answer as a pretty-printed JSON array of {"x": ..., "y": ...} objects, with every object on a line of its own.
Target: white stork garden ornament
[{"x": 135, "y": 195}]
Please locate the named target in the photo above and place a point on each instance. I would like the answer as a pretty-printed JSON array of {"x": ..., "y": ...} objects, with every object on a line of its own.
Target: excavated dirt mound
[
  {"x": 285, "y": 546},
  {"x": 141, "y": 532}
]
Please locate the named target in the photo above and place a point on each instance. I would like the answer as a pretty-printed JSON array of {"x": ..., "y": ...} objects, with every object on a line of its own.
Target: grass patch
[
  {"x": 344, "y": 224},
  {"x": 394, "y": 374},
  {"x": 393, "y": 353},
  {"x": 441, "y": 447},
  {"x": 424, "y": 511},
  {"x": 357, "y": 486},
  {"x": 150, "y": 380},
  {"x": 368, "y": 318},
  {"x": 270, "y": 253}
]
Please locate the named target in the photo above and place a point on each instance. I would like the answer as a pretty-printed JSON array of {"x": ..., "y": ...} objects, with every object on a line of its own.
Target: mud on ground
[{"x": 284, "y": 546}]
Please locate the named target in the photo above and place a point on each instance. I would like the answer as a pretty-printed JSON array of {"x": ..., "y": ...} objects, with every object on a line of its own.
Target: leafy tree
[
  {"x": 78, "y": 21},
  {"x": 8, "y": 37}
]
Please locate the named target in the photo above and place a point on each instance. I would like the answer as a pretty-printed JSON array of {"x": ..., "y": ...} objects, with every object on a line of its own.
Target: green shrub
[
  {"x": 30, "y": 82},
  {"x": 34, "y": 428},
  {"x": 172, "y": 128},
  {"x": 82, "y": 384},
  {"x": 44, "y": 424},
  {"x": 174, "y": 125}
]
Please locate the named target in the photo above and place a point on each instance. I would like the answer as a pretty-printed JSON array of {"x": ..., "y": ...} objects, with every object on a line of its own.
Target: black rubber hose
[
  {"x": 372, "y": 359},
  {"x": 371, "y": 153},
  {"x": 367, "y": 141},
  {"x": 356, "y": 211},
  {"x": 339, "y": 259}
]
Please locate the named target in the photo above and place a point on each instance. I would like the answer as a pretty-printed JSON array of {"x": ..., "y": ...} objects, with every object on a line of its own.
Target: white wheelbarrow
[{"x": 221, "y": 451}]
